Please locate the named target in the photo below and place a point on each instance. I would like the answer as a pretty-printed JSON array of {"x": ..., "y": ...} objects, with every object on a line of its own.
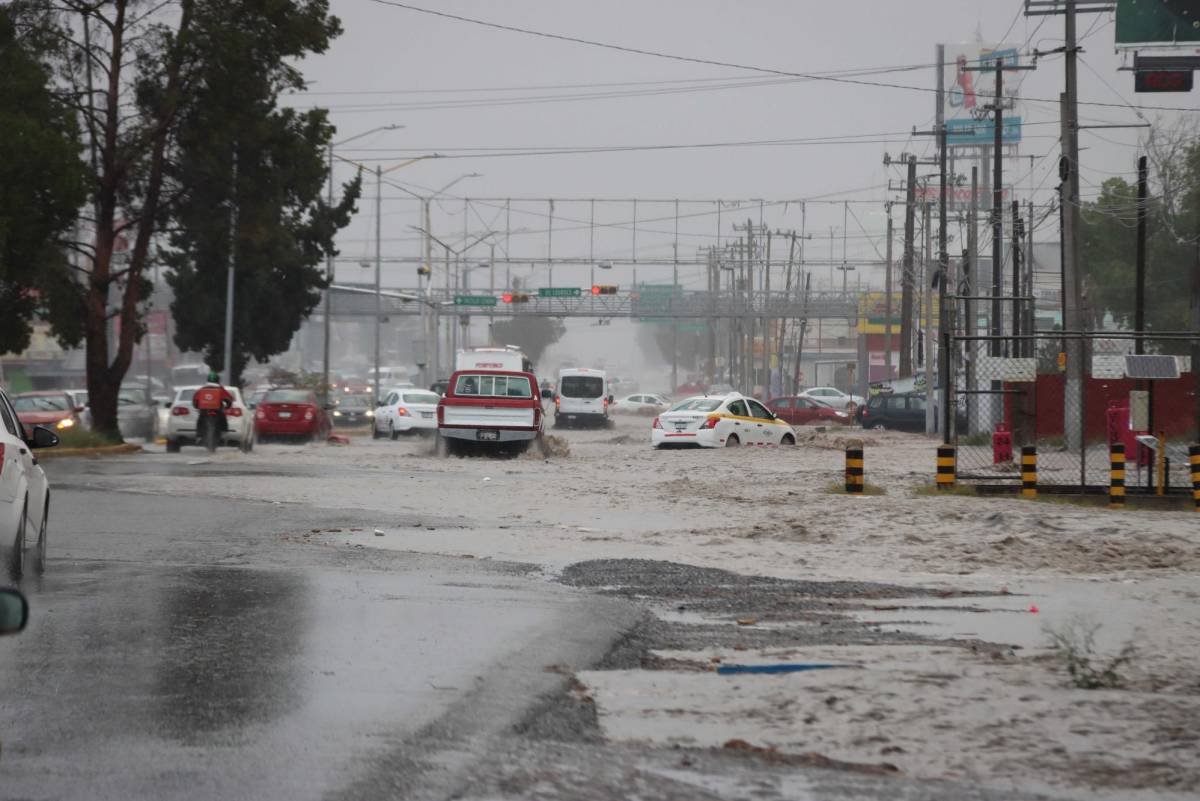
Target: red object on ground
[
  {"x": 338, "y": 439},
  {"x": 1119, "y": 431},
  {"x": 1001, "y": 444},
  {"x": 1033, "y": 609}
]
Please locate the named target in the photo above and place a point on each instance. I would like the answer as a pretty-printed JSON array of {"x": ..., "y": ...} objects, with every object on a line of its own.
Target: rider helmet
[{"x": 213, "y": 378}]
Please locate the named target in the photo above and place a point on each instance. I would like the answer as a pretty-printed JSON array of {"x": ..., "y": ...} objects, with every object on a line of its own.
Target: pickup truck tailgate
[{"x": 487, "y": 416}]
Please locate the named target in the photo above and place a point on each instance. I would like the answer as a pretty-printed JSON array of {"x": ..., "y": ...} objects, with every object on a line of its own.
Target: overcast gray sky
[{"x": 391, "y": 65}]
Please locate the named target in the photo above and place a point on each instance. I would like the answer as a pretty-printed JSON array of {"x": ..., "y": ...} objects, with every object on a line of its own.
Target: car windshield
[
  {"x": 493, "y": 386},
  {"x": 421, "y": 397},
  {"x": 132, "y": 397},
  {"x": 355, "y": 400},
  {"x": 697, "y": 405},
  {"x": 581, "y": 386},
  {"x": 41, "y": 403},
  {"x": 288, "y": 396}
]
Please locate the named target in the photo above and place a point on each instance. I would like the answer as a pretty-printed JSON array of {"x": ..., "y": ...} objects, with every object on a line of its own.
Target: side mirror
[
  {"x": 166, "y": 404},
  {"x": 43, "y": 438},
  {"x": 251, "y": 405},
  {"x": 14, "y": 611},
  {"x": 611, "y": 399},
  {"x": 80, "y": 409}
]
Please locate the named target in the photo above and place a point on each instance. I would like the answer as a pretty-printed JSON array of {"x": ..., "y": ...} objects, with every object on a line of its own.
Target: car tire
[
  {"x": 445, "y": 447},
  {"x": 172, "y": 446},
  {"x": 248, "y": 443},
  {"x": 788, "y": 440},
  {"x": 879, "y": 427},
  {"x": 16, "y": 560},
  {"x": 392, "y": 432},
  {"x": 39, "y": 554},
  {"x": 732, "y": 441},
  {"x": 375, "y": 434}
]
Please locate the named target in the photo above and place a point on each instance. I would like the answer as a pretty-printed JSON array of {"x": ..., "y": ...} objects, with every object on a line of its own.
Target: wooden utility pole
[{"x": 907, "y": 272}]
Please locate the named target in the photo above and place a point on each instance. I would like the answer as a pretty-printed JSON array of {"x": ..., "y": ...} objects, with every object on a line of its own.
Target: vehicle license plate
[
  {"x": 284, "y": 415},
  {"x": 680, "y": 426},
  {"x": 427, "y": 415},
  {"x": 489, "y": 436}
]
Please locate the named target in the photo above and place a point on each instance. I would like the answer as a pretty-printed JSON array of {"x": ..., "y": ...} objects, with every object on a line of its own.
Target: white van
[
  {"x": 581, "y": 397},
  {"x": 505, "y": 357}
]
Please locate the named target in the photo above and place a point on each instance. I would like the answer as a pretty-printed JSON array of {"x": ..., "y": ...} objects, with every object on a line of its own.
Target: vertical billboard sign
[{"x": 969, "y": 94}]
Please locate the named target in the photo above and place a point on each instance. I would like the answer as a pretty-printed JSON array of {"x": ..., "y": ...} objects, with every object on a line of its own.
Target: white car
[
  {"x": 406, "y": 410},
  {"x": 834, "y": 397},
  {"x": 725, "y": 421},
  {"x": 24, "y": 491},
  {"x": 641, "y": 404},
  {"x": 181, "y": 424}
]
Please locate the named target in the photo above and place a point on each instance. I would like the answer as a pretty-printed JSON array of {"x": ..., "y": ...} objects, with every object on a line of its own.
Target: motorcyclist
[{"x": 211, "y": 400}]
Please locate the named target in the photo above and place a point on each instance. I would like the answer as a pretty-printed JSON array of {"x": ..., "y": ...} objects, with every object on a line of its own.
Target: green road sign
[
  {"x": 1157, "y": 21},
  {"x": 559, "y": 292},
  {"x": 474, "y": 300}
]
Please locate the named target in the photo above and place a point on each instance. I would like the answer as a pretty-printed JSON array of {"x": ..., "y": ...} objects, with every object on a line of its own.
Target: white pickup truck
[{"x": 491, "y": 409}]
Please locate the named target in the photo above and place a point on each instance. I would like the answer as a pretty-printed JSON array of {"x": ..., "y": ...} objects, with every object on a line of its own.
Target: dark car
[
  {"x": 902, "y": 411},
  {"x": 292, "y": 414},
  {"x": 355, "y": 409},
  {"x": 800, "y": 411}
]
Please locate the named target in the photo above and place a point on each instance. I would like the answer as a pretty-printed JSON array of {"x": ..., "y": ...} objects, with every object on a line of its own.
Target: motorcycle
[{"x": 209, "y": 428}]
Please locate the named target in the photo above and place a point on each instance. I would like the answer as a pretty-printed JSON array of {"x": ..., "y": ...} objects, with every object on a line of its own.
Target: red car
[
  {"x": 799, "y": 411},
  {"x": 54, "y": 410},
  {"x": 292, "y": 414}
]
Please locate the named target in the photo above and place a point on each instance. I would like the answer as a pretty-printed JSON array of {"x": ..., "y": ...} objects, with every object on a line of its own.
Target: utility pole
[
  {"x": 1028, "y": 316},
  {"x": 928, "y": 316},
  {"x": 326, "y": 315},
  {"x": 997, "y": 213},
  {"x": 1072, "y": 320},
  {"x": 906, "y": 276},
  {"x": 378, "y": 269},
  {"x": 1139, "y": 306},
  {"x": 887, "y": 301},
  {"x": 227, "y": 379},
  {"x": 970, "y": 279},
  {"x": 1016, "y": 278},
  {"x": 943, "y": 262}
]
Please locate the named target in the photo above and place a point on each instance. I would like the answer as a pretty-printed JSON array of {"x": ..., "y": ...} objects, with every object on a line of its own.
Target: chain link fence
[{"x": 1070, "y": 396}]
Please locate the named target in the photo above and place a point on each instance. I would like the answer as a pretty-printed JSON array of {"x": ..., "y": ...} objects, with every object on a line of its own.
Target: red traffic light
[
  {"x": 604, "y": 289},
  {"x": 595, "y": 290},
  {"x": 506, "y": 297}
]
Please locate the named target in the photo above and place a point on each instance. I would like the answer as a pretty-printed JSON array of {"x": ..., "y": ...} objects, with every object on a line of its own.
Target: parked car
[
  {"x": 137, "y": 414},
  {"x": 903, "y": 411},
  {"x": 406, "y": 410},
  {"x": 292, "y": 414},
  {"x": 181, "y": 425},
  {"x": 14, "y": 611},
  {"x": 801, "y": 411},
  {"x": 492, "y": 409},
  {"x": 54, "y": 410},
  {"x": 354, "y": 409},
  {"x": 24, "y": 491},
  {"x": 641, "y": 404},
  {"x": 719, "y": 422},
  {"x": 834, "y": 397}
]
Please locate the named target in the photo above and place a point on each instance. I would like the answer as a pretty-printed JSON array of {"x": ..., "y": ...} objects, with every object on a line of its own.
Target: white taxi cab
[{"x": 724, "y": 421}]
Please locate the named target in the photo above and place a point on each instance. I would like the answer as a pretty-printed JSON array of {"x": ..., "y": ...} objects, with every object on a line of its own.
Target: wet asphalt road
[{"x": 184, "y": 647}]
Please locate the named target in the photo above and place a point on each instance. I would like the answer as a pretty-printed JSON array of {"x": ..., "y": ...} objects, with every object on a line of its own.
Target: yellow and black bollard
[
  {"x": 1194, "y": 460},
  {"x": 1029, "y": 471},
  {"x": 854, "y": 469},
  {"x": 1116, "y": 477},
  {"x": 945, "y": 467}
]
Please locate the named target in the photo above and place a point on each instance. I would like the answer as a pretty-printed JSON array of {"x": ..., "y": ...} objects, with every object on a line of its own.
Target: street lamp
[{"x": 329, "y": 257}]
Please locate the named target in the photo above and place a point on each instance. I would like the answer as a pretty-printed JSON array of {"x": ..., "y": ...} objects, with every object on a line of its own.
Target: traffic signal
[
  {"x": 515, "y": 297},
  {"x": 506, "y": 297},
  {"x": 423, "y": 270},
  {"x": 604, "y": 289}
]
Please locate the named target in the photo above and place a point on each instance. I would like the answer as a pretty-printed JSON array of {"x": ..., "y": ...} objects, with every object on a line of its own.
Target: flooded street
[{"x": 374, "y": 621}]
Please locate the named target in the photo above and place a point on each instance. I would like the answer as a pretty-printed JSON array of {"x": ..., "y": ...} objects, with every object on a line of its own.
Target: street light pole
[
  {"x": 378, "y": 263},
  {"x": 228, "y": 377},
  {"x": 328, "y": 308}
]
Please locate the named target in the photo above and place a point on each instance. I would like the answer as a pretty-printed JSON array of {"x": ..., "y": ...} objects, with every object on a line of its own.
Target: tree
[
  {"x": 41, "y": 181},
  {"x": 532, "y": 334},
  {"x": 236, "y": 147},
  {"x": 132, "y": 72}
]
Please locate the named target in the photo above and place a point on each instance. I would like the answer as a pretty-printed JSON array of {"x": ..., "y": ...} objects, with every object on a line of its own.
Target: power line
[{"x": 695, "y": 60}]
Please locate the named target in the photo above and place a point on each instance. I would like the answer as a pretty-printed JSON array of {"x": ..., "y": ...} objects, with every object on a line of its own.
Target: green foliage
[
  {"x": 41, "y": 182},
  {"x": 1110, "y": 239},
  {"x": 233, "y": 126},
  {"x": 82, "y": 438},
  {"x": 531, "y": 334}
]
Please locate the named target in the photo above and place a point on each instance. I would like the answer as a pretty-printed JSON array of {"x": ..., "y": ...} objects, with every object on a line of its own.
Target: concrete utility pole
[
  {"x": 1016, "y": 278},
  {"x": 227, "y": 378},
  {"x": 906, "y": 276},
  {"x": 1072, "y": 319},
  {"x": 887, "y": 301},
  {"x": 994, "y": 324},
  {"x": 378, "y": 269},
  {"x": 927, "y": 314},
  {"x": 970, "y": 273},
  {"x": 1139, "y": 304},
  {"x": 943, "y": 263}
]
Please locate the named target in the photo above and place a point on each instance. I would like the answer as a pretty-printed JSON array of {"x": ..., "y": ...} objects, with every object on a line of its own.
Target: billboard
[
  {"x": 1159, "y": 22},
  {"x": 968, "y": 94}
]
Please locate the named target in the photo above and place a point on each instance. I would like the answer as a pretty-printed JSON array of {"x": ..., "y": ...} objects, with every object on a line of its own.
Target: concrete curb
[{"x": 107, "y": 450}]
